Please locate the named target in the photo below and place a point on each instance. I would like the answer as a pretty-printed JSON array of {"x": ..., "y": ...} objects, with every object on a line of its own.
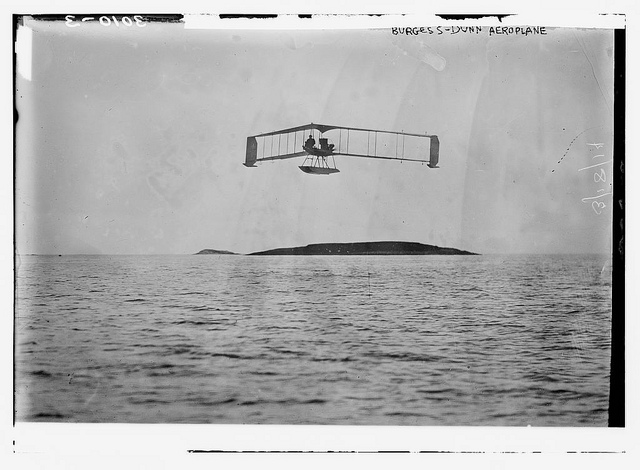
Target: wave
[
  {"x": 49, "y": 415},
  {"x": 332, "y": 359},
  {"x": 290, "y": 401},
  {"x": 205, "y": 308},
  {"x": 406, "y": 414},
  {"x": 204, "y": 402},
  {"x": 148, "y": 401},
  {"x": 407, "y": 356},
  {"x": 219, "y": 321}
]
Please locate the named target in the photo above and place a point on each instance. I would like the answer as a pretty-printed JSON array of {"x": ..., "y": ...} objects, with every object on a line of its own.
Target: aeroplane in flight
[{"x": 344, "y": 141}]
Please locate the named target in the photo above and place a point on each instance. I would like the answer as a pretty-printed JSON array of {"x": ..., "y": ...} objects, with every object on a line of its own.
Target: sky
[{"x": 131, "y": 140}]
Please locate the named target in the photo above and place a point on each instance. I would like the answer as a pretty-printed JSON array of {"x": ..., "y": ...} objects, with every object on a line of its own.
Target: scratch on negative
[{"x": 571, "y": 143}]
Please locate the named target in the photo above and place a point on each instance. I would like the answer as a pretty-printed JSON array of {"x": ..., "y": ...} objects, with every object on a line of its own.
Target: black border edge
[
  {"x": 617, "y": 374},
  {"x": 16, "y": 21}
]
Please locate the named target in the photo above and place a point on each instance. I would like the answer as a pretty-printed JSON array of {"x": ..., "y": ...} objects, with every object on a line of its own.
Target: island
[
  {"x": 209, "y": 251},
  {"x": 365, "y": 248}
]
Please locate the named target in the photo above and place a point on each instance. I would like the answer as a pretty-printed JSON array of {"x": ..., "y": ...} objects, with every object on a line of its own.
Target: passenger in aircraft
[{"x": 310, "y": 143}]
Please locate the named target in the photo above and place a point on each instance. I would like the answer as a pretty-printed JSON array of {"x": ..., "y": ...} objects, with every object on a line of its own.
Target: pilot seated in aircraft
[
  {"x": 310, "y": 143},
  {"x": 326, "y": 146}
]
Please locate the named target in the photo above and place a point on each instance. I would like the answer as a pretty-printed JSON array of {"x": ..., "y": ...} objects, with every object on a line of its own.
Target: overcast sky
[{"x": 131, "y": 140}]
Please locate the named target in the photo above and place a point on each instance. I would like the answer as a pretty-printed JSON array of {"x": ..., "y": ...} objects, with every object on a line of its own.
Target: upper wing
[
  {"x": 348, "y": 141},
  {"x": 390, "y": 145},
  {"x": 278, "y": 145}
]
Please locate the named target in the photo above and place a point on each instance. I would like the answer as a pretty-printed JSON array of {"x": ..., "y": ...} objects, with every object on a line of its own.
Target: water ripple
[{"x": 314, "y": 340}]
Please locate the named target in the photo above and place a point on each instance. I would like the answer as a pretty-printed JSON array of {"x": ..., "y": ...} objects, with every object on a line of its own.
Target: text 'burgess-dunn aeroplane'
[{"x": 335, "y": 140}]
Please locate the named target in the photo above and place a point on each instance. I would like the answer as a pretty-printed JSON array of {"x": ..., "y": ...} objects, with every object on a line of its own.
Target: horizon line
[{"x": 245, "y": 254}]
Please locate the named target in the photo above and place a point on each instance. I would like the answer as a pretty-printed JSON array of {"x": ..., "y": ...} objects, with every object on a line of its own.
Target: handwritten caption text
[
  {"x": 137, "y": 20},
  {"x": 491, "y": 31},
  {"x": 599, "y": 176}
]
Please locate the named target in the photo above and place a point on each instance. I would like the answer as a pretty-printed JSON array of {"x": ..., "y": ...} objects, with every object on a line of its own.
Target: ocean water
[{"x": 348, "y": 340}]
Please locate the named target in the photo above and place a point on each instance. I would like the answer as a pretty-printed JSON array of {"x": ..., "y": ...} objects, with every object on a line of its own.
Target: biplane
[{"x": 319, "y": 159}]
